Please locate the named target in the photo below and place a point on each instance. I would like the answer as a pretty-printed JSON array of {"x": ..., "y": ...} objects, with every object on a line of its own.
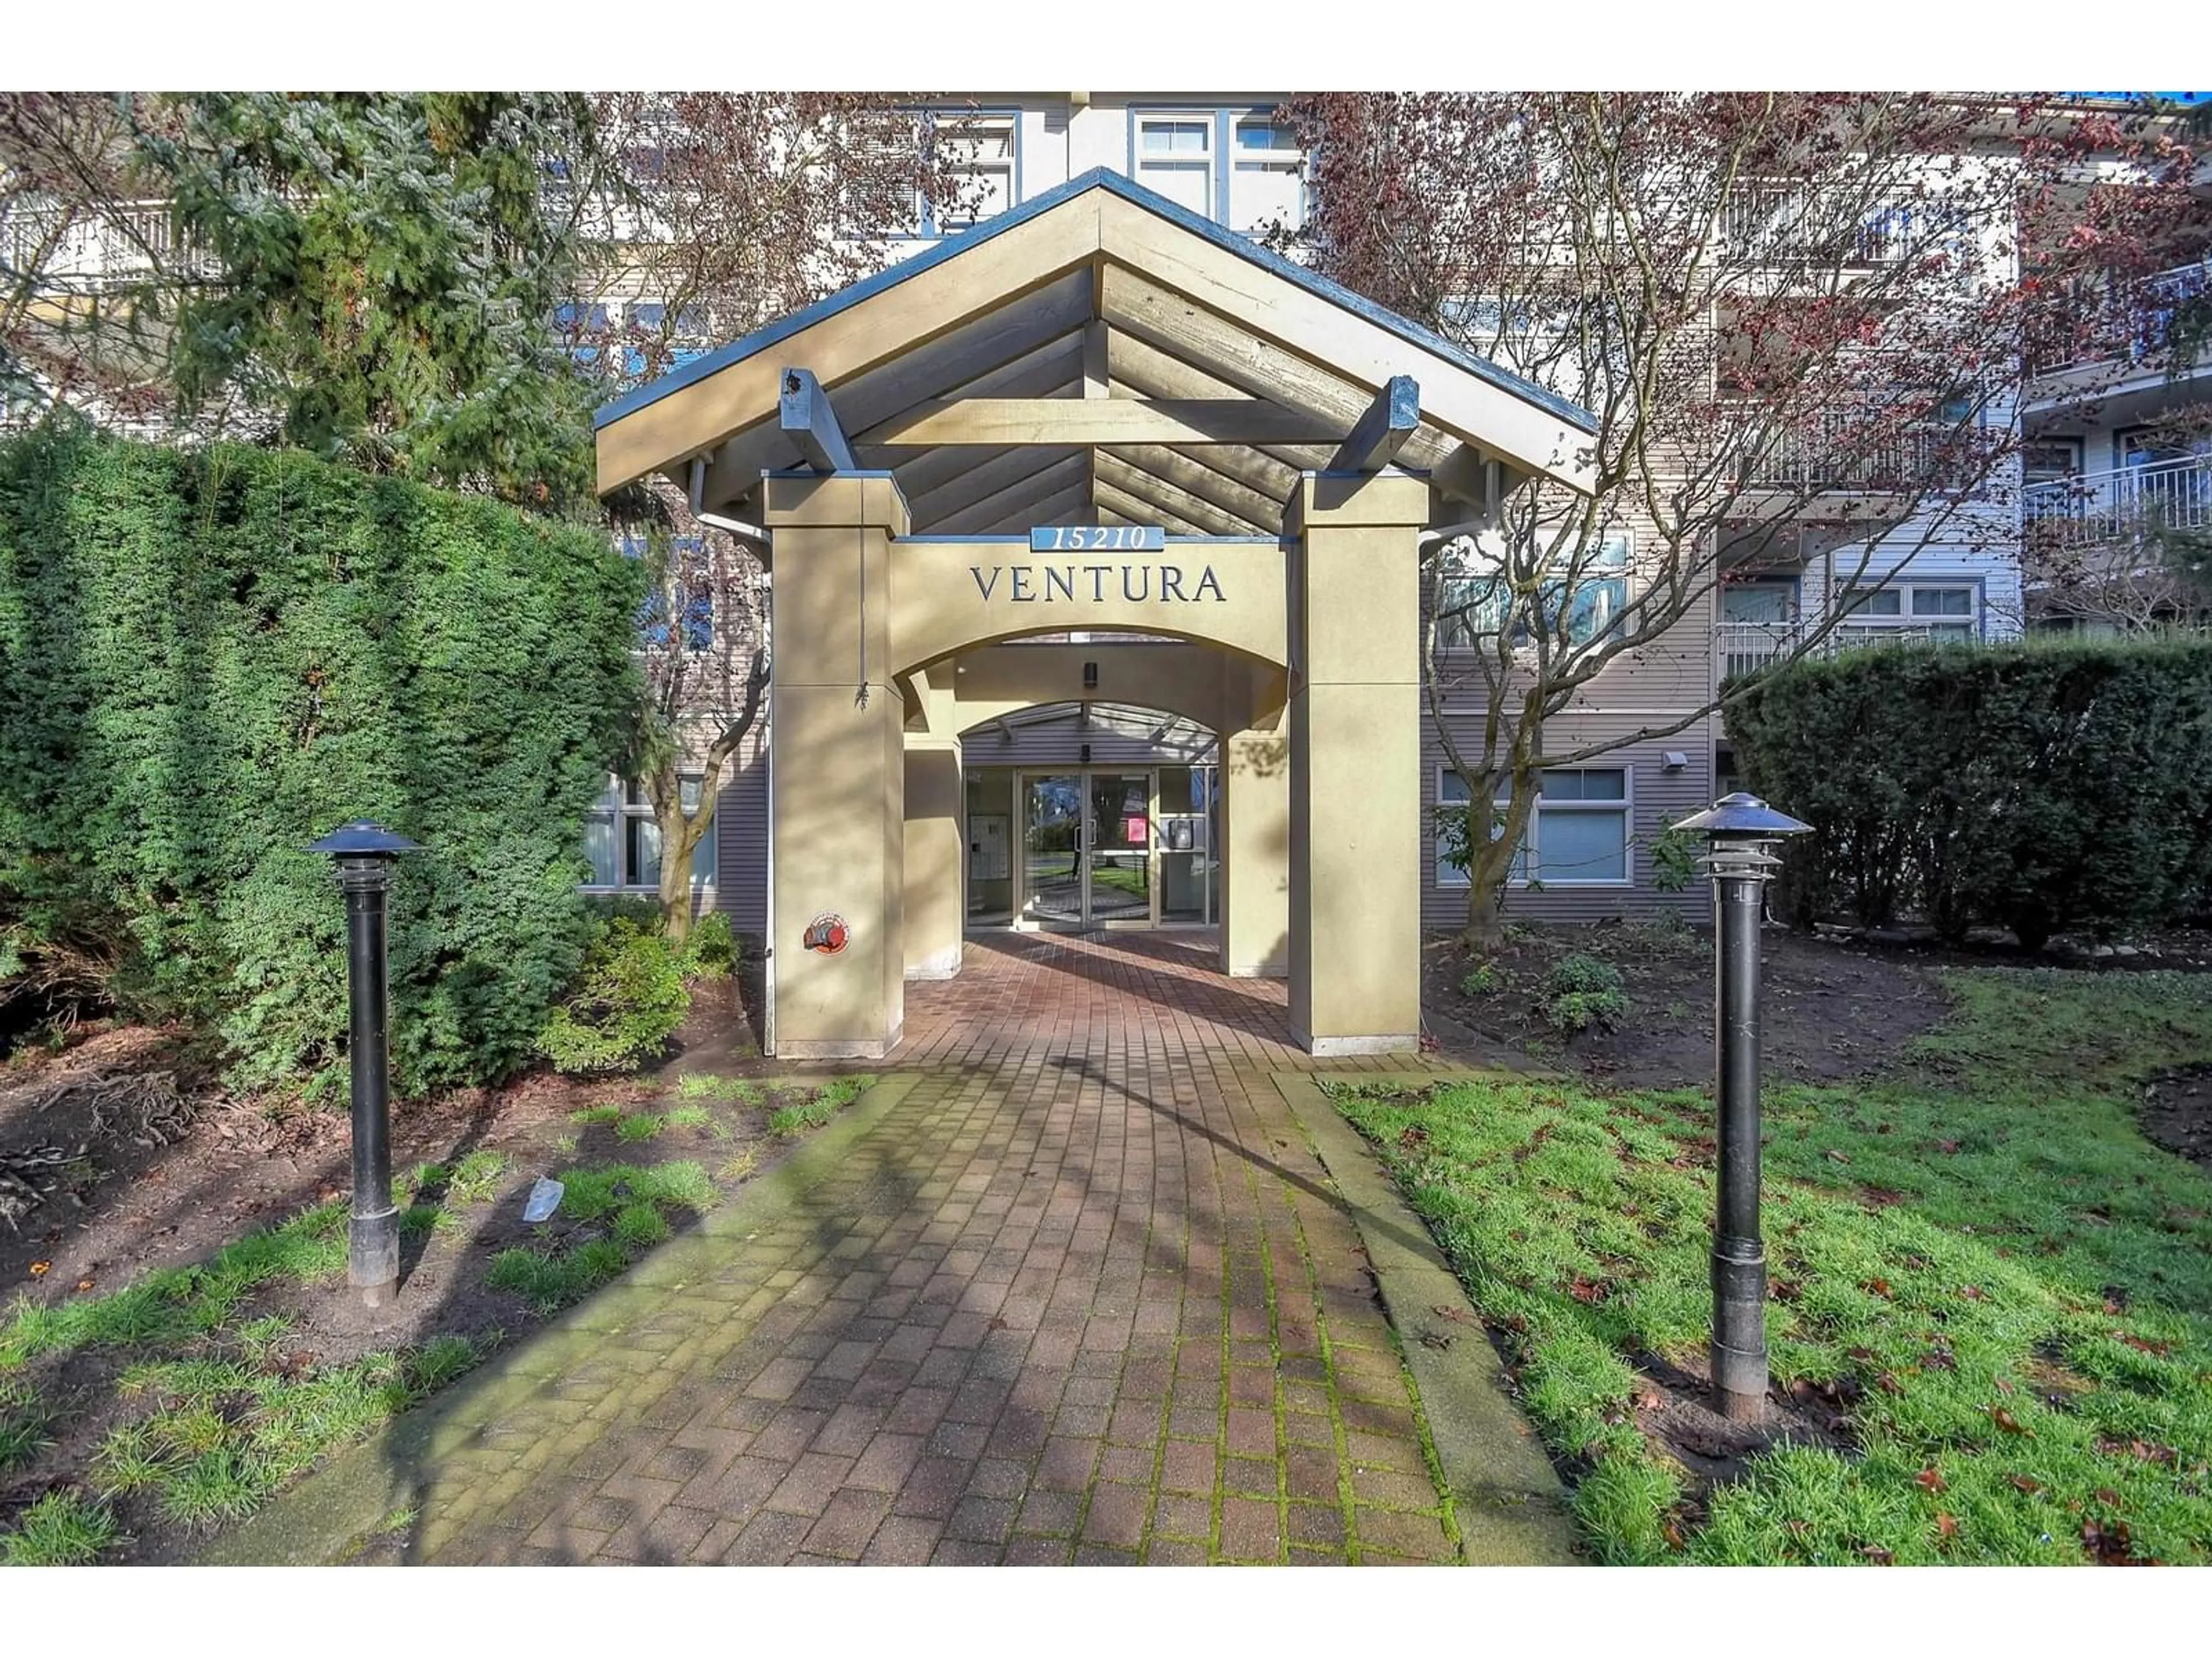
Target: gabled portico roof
[{"x": 1099, "y": 355}]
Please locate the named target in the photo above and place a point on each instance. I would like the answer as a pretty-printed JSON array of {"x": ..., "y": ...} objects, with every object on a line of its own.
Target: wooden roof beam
[
  {"x": 1136, "y": 483},
  {"x": 1390, "y": 420},
  {"x": 996, "y": 422},
  {"x": 810, "y": 422}
]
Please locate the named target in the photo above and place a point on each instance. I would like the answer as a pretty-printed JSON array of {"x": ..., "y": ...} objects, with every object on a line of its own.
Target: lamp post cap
[
  {"x": 1743, "y": 814},
  {"x": 362, "y": 839}
]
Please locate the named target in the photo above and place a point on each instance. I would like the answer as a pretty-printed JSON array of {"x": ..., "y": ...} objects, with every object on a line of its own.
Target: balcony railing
[
  {"x": 1849, "y": 449},
  {"x": 85, "y": 251},
  {"x": 1788, "y": 223},
  {"x": 1740, "y": 648},
  {"x": 2119, "y": 322},
  {"x": 2097, "y": 509}
]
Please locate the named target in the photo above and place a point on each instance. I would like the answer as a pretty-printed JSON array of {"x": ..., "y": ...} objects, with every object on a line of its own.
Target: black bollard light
[
  {"x": 363, "y": 853},
  {"x": 1740, "y": 829}
]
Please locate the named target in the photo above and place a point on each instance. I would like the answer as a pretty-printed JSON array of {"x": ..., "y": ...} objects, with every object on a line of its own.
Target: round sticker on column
[{"x": 827, "y": 933}]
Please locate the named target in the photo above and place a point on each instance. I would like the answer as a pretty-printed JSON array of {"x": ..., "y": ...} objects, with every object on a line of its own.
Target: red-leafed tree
[{"x": 1798, "y": 320}]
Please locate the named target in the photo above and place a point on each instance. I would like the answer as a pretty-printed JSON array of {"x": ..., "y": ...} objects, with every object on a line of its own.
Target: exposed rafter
[
  {"x": 1000, "y": 421},
  {"x": 811, "y": 423}
]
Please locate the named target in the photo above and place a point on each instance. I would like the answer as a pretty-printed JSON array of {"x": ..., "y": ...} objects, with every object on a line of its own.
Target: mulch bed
[
  {"x": 1836, "y": 1007},
  {"x": 159, "y": 1168},
  {"x": 2177, "y": 1113}
]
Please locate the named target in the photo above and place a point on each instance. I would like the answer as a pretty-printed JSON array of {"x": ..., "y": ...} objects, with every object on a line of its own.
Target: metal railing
[
  {"x": 2113, "y": 322},
  {"x": 84, "y": 251},
  {"x": 1740, "y": 648},
  {"x": 1850, "y": 448},
  {"x": 2100, "y": 509},
  {"x": 1790, "y": 223}
]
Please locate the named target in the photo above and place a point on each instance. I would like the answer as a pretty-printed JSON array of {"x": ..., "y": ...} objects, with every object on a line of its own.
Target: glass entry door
[
  {"x": 1052, "y": 849},
  {"x": 1120, "y": 864},
  {"x": 1086, "y": 848}
]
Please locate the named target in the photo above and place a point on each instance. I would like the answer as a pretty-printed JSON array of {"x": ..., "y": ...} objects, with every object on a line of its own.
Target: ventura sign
[{"x": 1134, "y": 583}]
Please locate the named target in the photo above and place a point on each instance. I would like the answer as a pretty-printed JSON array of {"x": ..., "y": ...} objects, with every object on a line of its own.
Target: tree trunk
[
  {"x": 680, "y": 834},
  {"x": 1492, "y": 866}
]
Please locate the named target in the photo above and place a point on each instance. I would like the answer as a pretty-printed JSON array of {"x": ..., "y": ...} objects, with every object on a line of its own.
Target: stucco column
[
  {"x": 1354, "y": 721},
  {"x": 837, "y": 824},
  {"x": 935, "y": 865},
  {"x": 1256, "y": 854}
]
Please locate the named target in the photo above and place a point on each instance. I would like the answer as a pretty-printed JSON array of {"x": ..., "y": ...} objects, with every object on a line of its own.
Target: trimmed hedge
[
  {"x": 2038, "y": 787},
  {"x": 209, "y": 657}
]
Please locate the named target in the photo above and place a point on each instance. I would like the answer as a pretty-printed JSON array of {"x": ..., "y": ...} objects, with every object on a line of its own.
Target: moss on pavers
[
  {"x": 329, "y": 1516},
  {"x": 1508, "y": 1502}
]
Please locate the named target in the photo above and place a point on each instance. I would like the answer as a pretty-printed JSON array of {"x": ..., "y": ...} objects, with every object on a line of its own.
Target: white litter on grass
[{"x": 544, "y": 1198}]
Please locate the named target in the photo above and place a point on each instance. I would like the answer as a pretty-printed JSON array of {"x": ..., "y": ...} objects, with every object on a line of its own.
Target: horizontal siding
[
  {"x": 741, "y": 837},
  {"x": 1657, "y": 798}
]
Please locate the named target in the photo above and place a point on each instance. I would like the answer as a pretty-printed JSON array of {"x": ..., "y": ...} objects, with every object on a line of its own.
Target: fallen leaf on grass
[
  {"x": 1931, "y": 1478},
  {"x": 1876, "y": 1287},
  {"x": 2003, "y": 1387},
  {"x": 1947, "y": 1524},
  {"x": 40, "y": 1269},
  {"x": 1974, "y": 1293},
  {"x": 2005, "y": 1420},
  {"x": 2021, "y": 1483},
  {"x": 2161, "y": 1349},
  {"x": 1879, "y": 1556},
  {"x": 1946, "y": 1145},
  {"x": 2110, "y": 1545},
  {"x": 1839, "y": 1157}
]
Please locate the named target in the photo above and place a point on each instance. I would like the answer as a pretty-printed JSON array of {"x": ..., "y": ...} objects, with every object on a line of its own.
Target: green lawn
[
  {"x": 214, "y": 1403},
  {"x": 2011, "y": 1287}
]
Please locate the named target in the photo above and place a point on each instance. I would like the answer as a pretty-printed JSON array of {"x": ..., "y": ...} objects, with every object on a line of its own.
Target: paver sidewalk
[{"x": 1074, "y": 1299}]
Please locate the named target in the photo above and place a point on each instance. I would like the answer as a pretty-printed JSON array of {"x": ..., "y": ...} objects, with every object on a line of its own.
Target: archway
[{"x": 1095, "y": 416}]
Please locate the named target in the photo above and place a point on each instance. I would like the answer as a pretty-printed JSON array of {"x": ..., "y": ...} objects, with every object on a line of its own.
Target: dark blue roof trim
[{"x": 1097, "y": 178}]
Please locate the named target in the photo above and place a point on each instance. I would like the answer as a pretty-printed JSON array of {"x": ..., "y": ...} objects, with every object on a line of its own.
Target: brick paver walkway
[{"x": 1084, "y": 1295}]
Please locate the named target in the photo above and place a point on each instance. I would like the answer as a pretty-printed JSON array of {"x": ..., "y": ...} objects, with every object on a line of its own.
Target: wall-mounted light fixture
[
  {"x": 1090, "y": 677},
  {"x": 1086, "y": 754}
]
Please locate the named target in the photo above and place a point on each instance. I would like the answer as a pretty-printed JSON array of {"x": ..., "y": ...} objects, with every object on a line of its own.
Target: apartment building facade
[
  {"x": 1031, "y": 784},
  {"x": 2100, "y": 462}
]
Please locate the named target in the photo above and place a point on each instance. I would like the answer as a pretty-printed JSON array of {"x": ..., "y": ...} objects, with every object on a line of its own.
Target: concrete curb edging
[
  {"x": 320, "y": 1520},
  {"x": 1510, "y": 1506}
]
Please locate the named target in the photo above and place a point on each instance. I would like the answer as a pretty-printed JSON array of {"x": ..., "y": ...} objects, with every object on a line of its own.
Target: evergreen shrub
[
  {"x": 2040, "y": 787},
  {"x": 209, "y": 658}
]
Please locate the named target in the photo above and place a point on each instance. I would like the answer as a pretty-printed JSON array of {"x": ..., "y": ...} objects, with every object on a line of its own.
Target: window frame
[
  {"x": 932, "y": 228},
  {"x": 1905, "y": 618},
  {"x": 1217, "y": 178},
  {"x": 1222, "y": 121},
  {"x": 1529, "y": 860},
  {"x": 630, "y": 807},
  {"x": 1463, "y": 635}
]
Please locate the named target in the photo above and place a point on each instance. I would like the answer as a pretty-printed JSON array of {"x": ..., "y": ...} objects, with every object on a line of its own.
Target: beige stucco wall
[
  {"x": 1355, "y": 886},
  {"x": 838, "y": 819}
]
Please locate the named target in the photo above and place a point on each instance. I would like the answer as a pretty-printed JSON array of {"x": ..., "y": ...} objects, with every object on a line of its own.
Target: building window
[
  {"x": 622, "y": 842},
  {"x": 1578, "y": 834},
  {"x": 1239, "y": 167},
  {"x": 581, "y": 327},
  {"x": 1945, "y": 611},
  {"x": 1267, "y": 178},
  {"x": 979, "y": 151},
  {"x": 1474, "y": 604},
  {"x": 1175, "y": 156},
  {"x": 696, "y": 597}
]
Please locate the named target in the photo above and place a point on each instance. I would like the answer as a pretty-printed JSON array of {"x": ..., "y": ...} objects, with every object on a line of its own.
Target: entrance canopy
[
  {"x": 1099, "y": 355},
  {"x": 1097, "y": 416}
]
